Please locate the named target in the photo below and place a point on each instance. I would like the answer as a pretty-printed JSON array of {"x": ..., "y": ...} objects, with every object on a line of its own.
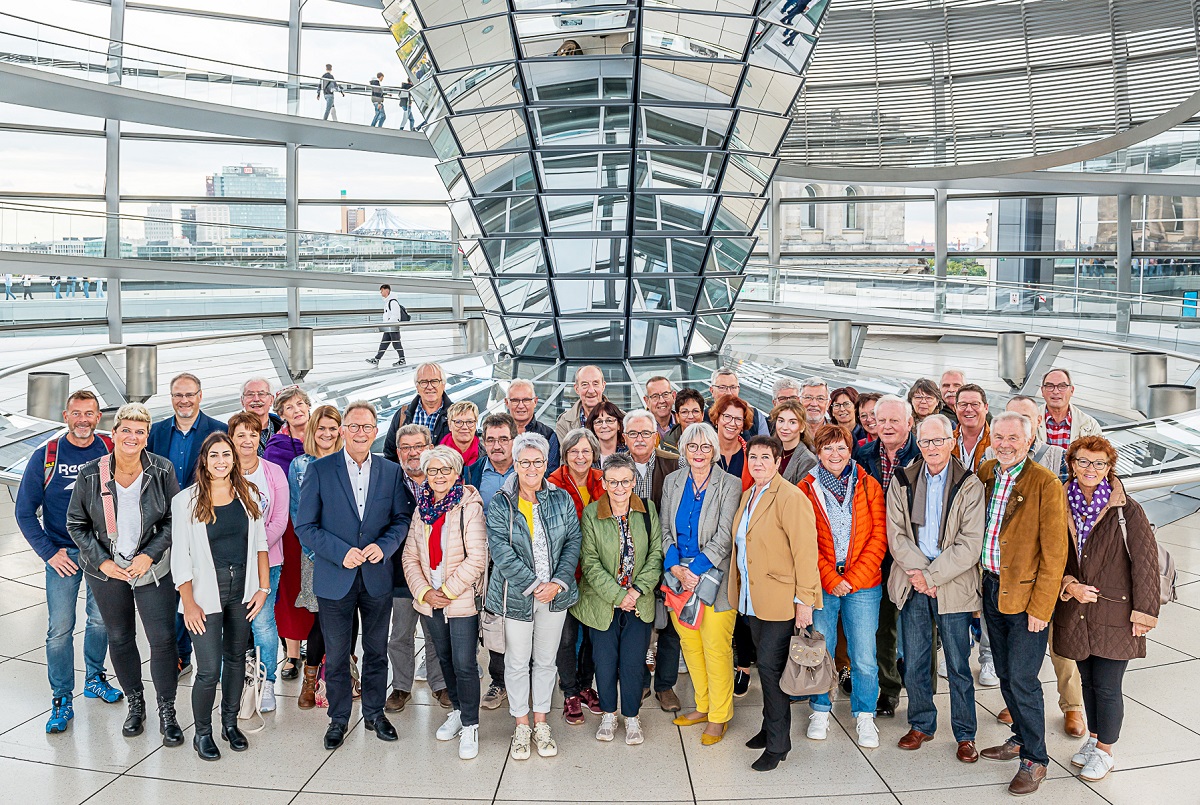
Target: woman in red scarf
[{"x": 464, "y": 419}]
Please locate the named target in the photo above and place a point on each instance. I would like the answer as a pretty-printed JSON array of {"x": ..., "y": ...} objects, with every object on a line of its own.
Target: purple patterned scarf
[{"x": 1085, "y": 514}]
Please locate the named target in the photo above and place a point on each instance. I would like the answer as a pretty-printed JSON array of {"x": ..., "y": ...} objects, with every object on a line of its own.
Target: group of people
[
  {"x": 328, "y": 88},
  {"x": 64, "y": 288},
  {"x": 595, "y": 553}
]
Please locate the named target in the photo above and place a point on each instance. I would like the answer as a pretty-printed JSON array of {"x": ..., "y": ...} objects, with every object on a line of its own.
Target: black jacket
[
  {"x": 440, "y": 429},
  {"x": 868, "y": 456},
  {"x": 85, "y": 517}
]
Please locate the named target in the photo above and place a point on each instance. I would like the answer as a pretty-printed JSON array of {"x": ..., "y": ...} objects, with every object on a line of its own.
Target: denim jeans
[
  {"x": 329, "y": 108},
  {"x": 380, "y": 116},
  {"x": 61, "y": 594},
  {"x": 918, "y": 618},
  {"x": 221, "y": 653},
  {"x": 456, "y": 641},
  {"x": 266, "y": 634},
  {"x": 1018, "y": 654},
  {"x": 859, "y": 612}
]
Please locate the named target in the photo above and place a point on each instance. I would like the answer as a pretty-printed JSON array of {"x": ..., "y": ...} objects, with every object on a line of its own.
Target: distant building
[
  {"x": 159, "y": 222},
  {"x": 250, "y": 182},
  {"x": 187, "y": 226},
  {"x": 212, "y": 223},
  {"x": 352, "y": 217}
]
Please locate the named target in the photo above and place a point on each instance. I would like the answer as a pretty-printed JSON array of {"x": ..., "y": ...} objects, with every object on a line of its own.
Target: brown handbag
[{"x": 809, "y": 669}]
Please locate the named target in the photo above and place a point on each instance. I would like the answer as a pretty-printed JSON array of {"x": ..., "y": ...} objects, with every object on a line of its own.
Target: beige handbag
[{"x": 809, "y": 669}]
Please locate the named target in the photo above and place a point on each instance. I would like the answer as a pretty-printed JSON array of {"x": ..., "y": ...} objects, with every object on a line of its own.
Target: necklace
[{"x": 698, "y": 491}]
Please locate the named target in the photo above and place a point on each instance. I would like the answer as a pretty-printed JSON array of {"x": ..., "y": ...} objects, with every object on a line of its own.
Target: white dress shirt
[{"x": 360, "y": 478}]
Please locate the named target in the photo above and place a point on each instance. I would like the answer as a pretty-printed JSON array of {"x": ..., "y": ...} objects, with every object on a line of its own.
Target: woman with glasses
[
  {"x": 294, "y": 623},
  {"x": 605, "y": 421},
  {"x": 272, "y": 485},
  {"x": 221, "y": 567},
  {"x": 464, "y": 420},
  {"x": 534, "y": 541},
  {"x": 689, "y": 409},
  {"x": 868, "y": 428},
  {"x": 925, "y": 399},
  {"x": 444, "y": 558},
  {"x": 851, "y": 518},
  {"x": 731, "y": 416},
  {"x": 621, "y": 558},
  {"x": 843, "y": 409},
  {"x": 698, "y": 503},
  {"x": 1110, "y": 594},
  {"x": 576, "y": 669},
  {"x": 788, "y": 422}
]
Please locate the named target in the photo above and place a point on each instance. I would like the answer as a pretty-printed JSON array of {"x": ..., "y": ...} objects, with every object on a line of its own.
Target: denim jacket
[{"x": 510, "y": 546}]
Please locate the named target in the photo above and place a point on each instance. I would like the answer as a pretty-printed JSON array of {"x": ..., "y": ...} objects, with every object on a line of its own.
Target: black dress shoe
[
  {"x": 236, "y": 738},
  {"x": 759, "y": 741},
  {"x": 335, "y": 735},
  {"x": 384, "y": 730},
  {"x": 885, "y": 708},
  {"x": 206, "y": 747},
  {"x": 291, "y": 668},
  {"x": 768, "y": 761}
]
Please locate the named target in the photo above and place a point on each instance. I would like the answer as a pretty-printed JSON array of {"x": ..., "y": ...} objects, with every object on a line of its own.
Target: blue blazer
[
  {"x": 159, "y": 441},
  {"x": 329, "y": 526}
]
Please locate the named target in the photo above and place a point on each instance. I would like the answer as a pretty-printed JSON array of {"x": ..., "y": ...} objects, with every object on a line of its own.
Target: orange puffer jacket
[{"x": 868, "y": 537}]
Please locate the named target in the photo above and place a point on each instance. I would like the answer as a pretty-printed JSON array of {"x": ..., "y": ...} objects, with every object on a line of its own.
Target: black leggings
[
  {"x": 221, "y": 653},
  {"x": 155, "y": 605},
  {"x": 1102, "y": 698},
  {"x": 744, "y": 653},
  {"x": 315, "y": 652}
]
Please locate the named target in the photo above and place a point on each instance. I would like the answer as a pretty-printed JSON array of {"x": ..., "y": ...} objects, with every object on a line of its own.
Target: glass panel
[
  {"x": 738, "y": 214},
  {"x": 745, "y": 174},
  {"x": 704, "y": 36},
  {"x": 487, "y": 294},
  {"x": 515, "y": 255},
  {"x": 170, "y": 168},
  {"x": 769, "y": 90},
  {"x": 31, "y": 162},
  {"x": 592, "y": 33},
  {"x": 665, "y": 294},
  {"x": 590, "y": 295},
  {"x": 508, "y": 214},
  {"x": 593, "y": 338},
  {"x": 503, "y": 173},
  {"x": 783, "y": 49},
  {"x": 525, "y": 296},
  {"x": 491, "y": 131},
  {"x": 533, "y": 337},
  {"x": 499, "y": 334},
  {"x": 709, "y": 332},
  {"x": 468, "y": 224},
  {"x": 658, "y": 337},
  {"x": 583, "y": 255},
  {"x": 579, "y": 79},
  {"x": 688, "y": 80},
  {"x": 687, "y": 170},
  {"x": 477, "y": 42},
  {"x": 731, "y": 254},
  {"x": 442, "y": 139},
  {"x": 677, "y": 211},
  {"x": 704, "y": 128},
  {"x": 581, "y": 125},
  {"x": 803, "y": 15},
  {"x": 758, "y": 133},
  {"x": 720, "y": 292},
  {"x": 440, "y": 12},
  {"x": 452, "y": 177},
  {"x": 597, "y": 170},
  {"x": 675, "y": 255},
  {"x": 482, "y": 88},
  {"x": 604, "y": 213}
]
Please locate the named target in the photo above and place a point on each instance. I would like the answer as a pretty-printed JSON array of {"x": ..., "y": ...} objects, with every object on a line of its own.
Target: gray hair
[
  {"x": 892, "y": 399},
  {"x": 813, "y": 382},
  {"x": 937, "y": 419},
  {"x": 958, "y": 372},
  {"x": 360, "y": 405},
  {"x": 578, "y": 435},
  {"x": 449, "y": 457},
  {"x": 638, "y": 413},
  {"x": 784, "y": 383},
  {"x": 1013, "y": 416},
  {"x": 441, "y": 372},
  {"x": 256, "y": 380},
  {"x": 282, "y": 398},
  {"x": 723, "y": 372},
  {"x": 531, "y": 441},
  {"x": 521, "y": 381},
  {"x": 702, "y": 433},
  {"x": 414, "y": 430},
  {"x": 580, "y": 370},
  {"x": 620, "y": 461},
  {"x": 132, "y": 412}
]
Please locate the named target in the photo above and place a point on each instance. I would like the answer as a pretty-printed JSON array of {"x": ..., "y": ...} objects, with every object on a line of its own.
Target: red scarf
[
  {"x": 470, "y": 456},
  {"x": 435, "y": 542}
]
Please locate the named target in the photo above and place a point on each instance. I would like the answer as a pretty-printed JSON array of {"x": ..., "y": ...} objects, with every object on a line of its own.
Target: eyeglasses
[
  {"x": 411, "y": 448},
  {"x": 836, "y": 447},
  {"x": 520, "y": 400},
  {"x": 808, "y": 398},
  {"x": 257, "y": 394},
  {"x": 690, "y": 410},
  {"x": 429, "y": 384},
  {"x": 439, "y": 472},
  {"x": 934, "y": 442},
  {"x": 492, "y": 440},
  {"x": 729, "y": 419},
  {"x": 356, "y": 428},
  {"x": 531, "y": 463},
  {"x": 842, "y": 406},
  {"x": 606, "y": 421},
  {"x": 925, "y": 398},
  {"x": 585, "y": 452},
  {"x": 1085, "y": 464},
  {"x": 1055, "y": 386},
  {"x": 726, "y": 389},
  {"x": 974, "y": 406},
  {"x": 463, "y": 423},
  {"x": 627, "y": 483},
  {"x": 185, "y": 395},
  {"x": 703, "y": 447},
  {"x": 662, "y": 395},
  {"x": 638, "y": 434}
]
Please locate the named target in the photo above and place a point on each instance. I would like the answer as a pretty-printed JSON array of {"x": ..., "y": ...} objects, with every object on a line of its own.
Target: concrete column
[
  {"x": 841, "y": 341},
  {"x": 774, "y": 235},
  {"x": 46, "y": 394},
  {"x": 1124, "y": 260},
  {"x": 293, "y": 97},
  {"x": 1010, "y": 354},
  {"x": 300, "y": 351},
  {"x": 456, "y": 268},
  {"x": 941, "y": 249},
  {"x": 141, "y": 371},
  {"x": 293, "y": 307},
  {"x": 112, "y": 173}
]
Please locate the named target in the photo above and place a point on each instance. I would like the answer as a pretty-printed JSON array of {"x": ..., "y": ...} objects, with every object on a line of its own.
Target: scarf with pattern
[
  {"x": 1086, "y": 514},
  {"x": 836, "y": 484}
]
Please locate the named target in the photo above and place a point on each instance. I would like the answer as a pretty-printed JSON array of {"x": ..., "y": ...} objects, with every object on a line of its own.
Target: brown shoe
[
  {"x": 308, "y": 689},
  {"x": 967, "y": 752},
  {"x": 1004, "y": 717},
  {"x": 1003, "y": 753},
  {"x": 668, "y": 701},
  {"x": 396, "y": 701},
  {"x": 913, "y": 739},
  {"x": 1027, "y": 779},
  {"x": 443, "y": 698},
  {"x": 1074, "y": 724}
]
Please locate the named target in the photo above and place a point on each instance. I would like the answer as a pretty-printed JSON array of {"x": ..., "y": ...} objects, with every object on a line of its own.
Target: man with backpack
[
  {"x": 393, "y": 314},
  {"x": 326, "y": 88},
  {"x": 46, "y": 486}
]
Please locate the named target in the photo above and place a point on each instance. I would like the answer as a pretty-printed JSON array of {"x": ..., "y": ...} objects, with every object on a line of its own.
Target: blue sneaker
[
  {"x": 98, "y": 688},
  {"x": 60, "y": 715}
]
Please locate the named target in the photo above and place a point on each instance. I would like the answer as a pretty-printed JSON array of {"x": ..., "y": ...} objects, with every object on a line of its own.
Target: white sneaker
[
  {"x": 1099, "y": 764},
  {"x": 468, "y": 742},
  {"x": 268, "y": 697},
  {"x": 608, "y": 726},
  {"x": 546, "y": 747},
  {"x": 682, "y": 665},
  {"x": 942, "y": 672},
  {"x": 1080, "y": 758},
  {"x": 520, "y": 742},
  {"x": 868, "y": 735},
  {"x": 987, "y": 675},
  {"x": 419, "y": 674},
  {"x": 818, "y": 726},
  {"x": 451, "y": 728},
  {"x": 633, "y": 731}
]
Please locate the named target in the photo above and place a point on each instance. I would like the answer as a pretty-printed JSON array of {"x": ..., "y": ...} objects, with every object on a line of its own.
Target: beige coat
[{"x": 464, "y": 557}]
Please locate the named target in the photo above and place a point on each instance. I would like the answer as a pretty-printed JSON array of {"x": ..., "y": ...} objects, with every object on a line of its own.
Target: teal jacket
[
  {"x": 599, "y": 591},
  {"x": 510, "y": 545}
]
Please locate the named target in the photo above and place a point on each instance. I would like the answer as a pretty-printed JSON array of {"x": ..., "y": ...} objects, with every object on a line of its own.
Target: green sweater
[{"x": 600, "y": 561}]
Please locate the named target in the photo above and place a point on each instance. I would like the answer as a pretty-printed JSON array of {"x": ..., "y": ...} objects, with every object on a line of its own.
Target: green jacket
[{"x": 600, "y": 561}]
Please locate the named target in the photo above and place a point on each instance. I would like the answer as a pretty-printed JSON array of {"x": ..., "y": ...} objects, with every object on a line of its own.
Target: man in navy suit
[{"x": 354, "y": 513}]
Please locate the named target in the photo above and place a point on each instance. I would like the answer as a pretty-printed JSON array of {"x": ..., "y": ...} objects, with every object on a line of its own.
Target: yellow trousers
[{"x": 708, "y": 652}]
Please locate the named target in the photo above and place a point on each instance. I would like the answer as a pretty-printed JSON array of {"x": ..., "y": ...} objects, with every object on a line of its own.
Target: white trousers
[{"x": 536, "y": 640}]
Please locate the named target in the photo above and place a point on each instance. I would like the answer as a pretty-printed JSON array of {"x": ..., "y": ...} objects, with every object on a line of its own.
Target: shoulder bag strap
[
  {"x": 51, "y": 460},
  {"x": 1124, "y": 530},
  {"x": 106, "y": 498}
]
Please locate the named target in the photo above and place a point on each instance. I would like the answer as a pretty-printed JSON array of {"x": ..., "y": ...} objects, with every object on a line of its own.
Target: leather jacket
[{"x": 85, "y": 518}]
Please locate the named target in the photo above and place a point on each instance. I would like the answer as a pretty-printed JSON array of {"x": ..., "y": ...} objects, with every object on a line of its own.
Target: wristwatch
[{"x": 266, "y": 590}]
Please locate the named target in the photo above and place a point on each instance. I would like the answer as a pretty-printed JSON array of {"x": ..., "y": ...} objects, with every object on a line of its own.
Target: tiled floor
[{"x": 1158, "y": 756}]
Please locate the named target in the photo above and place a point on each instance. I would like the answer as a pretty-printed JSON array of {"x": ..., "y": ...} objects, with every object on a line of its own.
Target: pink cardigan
[{"x": 277, "y": 513}]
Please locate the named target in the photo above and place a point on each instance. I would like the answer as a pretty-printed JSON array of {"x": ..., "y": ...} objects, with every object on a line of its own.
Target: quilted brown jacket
[{"x": 1129, "y": 587}]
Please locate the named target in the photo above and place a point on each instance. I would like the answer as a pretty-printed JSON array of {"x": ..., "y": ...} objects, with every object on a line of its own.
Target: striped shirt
[
  {"x": 1058, "y": 433},
  {"x": 1006, "y": 480}
]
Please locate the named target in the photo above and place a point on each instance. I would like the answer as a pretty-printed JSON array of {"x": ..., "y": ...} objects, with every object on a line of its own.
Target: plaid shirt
[
  {"x": 422, "y": 418},
  {"x": 1058, "y": 433},
  {"x": 887, "y": 466},
  {"x": 1005, "y": 481},
  {"x": 644, "y": 481}
]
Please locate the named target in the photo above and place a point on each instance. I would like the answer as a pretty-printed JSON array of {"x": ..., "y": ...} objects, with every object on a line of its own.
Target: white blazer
[{"x": 191, "y": 557}]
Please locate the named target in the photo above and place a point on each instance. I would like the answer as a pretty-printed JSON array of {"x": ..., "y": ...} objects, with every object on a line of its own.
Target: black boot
[
  {"x": 235, "y": 737},
  {"x": 137, "y": 714},
  {"x": 206, "y": 747},
  {"x": 168, "y": 724},
  {"x": 768, "y": 761}
]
